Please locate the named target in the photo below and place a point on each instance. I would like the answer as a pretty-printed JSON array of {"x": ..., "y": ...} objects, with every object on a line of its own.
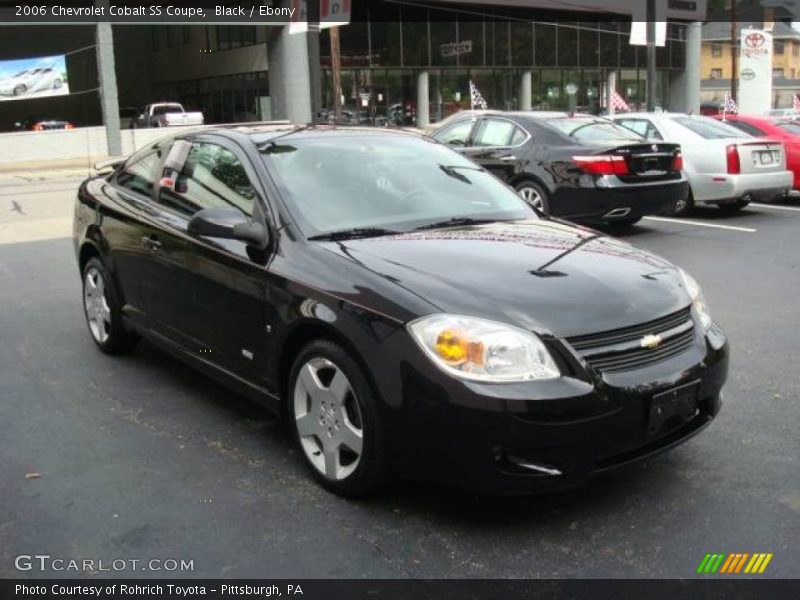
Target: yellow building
[{"x": 715, "y": 60}]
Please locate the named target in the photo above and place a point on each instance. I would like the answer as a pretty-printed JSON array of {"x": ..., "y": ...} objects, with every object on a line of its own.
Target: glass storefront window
[
  {"x": 454, "y": 90},
  {"x": 521, "y": 44},
  {"x": 609, "y": 44},
  {"x": 589, "y": 45},
  {"x": 545, "y": 45},
  {"x": 385, "y": 39},
  {"x": 472, "y": 32},
  {"x": 567, "y": 45},
  {"x": 552, "y": 96},
  {"x": 444, "y": 40},
  {"x": 498, "y": 33},
  {"x": 415, "y": 36}
]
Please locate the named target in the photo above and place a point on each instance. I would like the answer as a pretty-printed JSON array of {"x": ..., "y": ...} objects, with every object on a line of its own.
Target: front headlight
[
  {"x": 698, "y": 301},
  {"x": 472, "y": 348}
]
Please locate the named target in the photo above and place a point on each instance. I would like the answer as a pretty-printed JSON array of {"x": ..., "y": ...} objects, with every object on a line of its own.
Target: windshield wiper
[
  {"x": 455, "y": 222},
  {"x": 353, "y": 233}
]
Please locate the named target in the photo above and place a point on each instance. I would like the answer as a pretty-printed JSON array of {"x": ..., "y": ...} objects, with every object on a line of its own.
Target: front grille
[{"x": 622, "y": 350}]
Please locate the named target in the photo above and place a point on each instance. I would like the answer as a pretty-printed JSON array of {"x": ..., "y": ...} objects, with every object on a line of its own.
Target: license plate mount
[{"x": 678, "y": 403}]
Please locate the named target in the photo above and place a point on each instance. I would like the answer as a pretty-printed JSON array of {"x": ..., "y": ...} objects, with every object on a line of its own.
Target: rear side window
[
  {"x": 494, "y": 132},
  {"x": 791, "y": 127},
  {"x": 456, "y": 134},
  {"x": 138, "y": 175},
  {"x": 709, "y": 129},
  {"x": 211, "y": 176}
]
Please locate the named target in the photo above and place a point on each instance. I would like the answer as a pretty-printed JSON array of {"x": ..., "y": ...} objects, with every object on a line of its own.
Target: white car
[
  {"x": 31, "y": 80},
  {"x": 725, "y": 166}
]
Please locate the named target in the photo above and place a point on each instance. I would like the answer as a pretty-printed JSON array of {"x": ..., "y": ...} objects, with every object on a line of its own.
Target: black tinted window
[
  {"x": 746, "y": 127},
  {"x": 211, "y": 176},
  {"x": 138, "y": 174},
  {"x": 592, "y": 130},
  {"x": 456, "y": 134},
  {"x": 708, "y": 128}
]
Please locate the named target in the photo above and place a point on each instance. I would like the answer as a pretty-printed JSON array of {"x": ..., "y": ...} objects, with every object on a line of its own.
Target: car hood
[{"x": 541, "y": 275}]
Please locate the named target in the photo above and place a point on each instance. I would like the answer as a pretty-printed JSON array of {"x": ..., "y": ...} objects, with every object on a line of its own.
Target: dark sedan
[
  {"x": 579, "y": 167},
  {"x": 408, "y": 313}
]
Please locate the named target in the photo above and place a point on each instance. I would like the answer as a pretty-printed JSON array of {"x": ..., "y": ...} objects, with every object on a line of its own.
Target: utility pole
[
  {"x": 336, "y": 74},
  {"x": 651, "y": 55},
  {"x": 734, "y": 50}
]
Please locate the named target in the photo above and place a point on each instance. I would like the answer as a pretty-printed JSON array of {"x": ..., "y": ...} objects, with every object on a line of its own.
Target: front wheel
[
  {"x": 103, "y": 310},
  {"x": 684, "y": 206},
  {"x": 19, "y": 90},
  {"x": 535, "y": 195},
  {"x": 334, "y": 416}
]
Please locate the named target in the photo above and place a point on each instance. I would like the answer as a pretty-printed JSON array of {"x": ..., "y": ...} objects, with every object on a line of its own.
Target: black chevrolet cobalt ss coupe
[{"x": 407, "y": 312}]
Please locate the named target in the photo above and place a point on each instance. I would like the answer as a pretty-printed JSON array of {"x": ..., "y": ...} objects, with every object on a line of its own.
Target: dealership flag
[
  {"x": 475, "y": 97},
  {"x": 796, "y": 103},
  {"x": 730, "y": 104},
  {"x": 618, "y": 102}
]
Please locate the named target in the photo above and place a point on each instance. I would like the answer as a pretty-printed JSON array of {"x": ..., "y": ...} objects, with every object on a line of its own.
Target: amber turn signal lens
[{"x": 455, "y": 349}]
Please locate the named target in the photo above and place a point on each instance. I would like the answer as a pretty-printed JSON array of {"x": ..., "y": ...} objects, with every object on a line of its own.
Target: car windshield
[
  {"x": 710, "y": 129},
  {"x": 592, "y": 130},
  {"x": 21, "y": 74},
  {"x": 341, "y": 182}
]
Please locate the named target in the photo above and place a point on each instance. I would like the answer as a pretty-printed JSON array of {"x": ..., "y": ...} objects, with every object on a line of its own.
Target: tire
[
  {"x": 534, "y": 194},
  {"x": 103, "y": 310},
  {"x": 686, "y": 206},
  {"x": 56, "y": 84},
  {"x": 329, "y": 426},
  {"x": 19, "y": 90}
]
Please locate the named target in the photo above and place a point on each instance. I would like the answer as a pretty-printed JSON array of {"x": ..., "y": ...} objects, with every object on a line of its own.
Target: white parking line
[
  {"x": 702, "y": 224},
  {"x": 794, "y": 208}
]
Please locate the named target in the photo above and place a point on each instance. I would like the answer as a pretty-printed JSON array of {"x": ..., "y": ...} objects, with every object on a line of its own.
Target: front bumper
[
  {"x": 548, "y": 436},
  {"x": 618, "y": 202},
  {"x": 723, "y": 187}
]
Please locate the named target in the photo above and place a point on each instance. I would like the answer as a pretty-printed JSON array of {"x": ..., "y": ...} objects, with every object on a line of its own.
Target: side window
[
  {"x": 456, "y": 134},
  {"x": 494, "y": 132},
  {"x": 139, "y": 175},
  {"x": 211, "y": 176}
]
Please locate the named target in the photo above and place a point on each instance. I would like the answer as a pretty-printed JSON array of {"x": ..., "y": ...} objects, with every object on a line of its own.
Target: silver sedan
[{"x": 725, "y": 166}]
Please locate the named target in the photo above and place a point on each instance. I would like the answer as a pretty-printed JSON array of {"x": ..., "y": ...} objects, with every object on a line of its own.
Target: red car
[{"x": 773, "y": 128}]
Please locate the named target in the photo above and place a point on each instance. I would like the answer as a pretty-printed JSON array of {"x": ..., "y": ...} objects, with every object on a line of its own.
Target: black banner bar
[{"x": 406, "y": 589}]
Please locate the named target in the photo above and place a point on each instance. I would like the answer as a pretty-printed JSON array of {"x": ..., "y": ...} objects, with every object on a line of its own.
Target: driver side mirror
[{"x": 229, "y": 223}]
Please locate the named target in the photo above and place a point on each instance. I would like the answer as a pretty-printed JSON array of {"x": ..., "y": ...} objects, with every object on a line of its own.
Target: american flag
[
  {"x": 796, "y": 102},
  {"x": 476, "y": 98},
  {"x": 618, "y": 102},
  {"x": 730, "y": 104}
]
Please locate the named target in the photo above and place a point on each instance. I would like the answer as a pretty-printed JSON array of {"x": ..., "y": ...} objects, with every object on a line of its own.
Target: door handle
[
  {"x": 151, "y": 242},
  {"x": 508, "y": 157}
]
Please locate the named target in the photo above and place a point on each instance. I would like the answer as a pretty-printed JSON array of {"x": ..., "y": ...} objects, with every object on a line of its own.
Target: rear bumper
[
  {"x": 724, "y": 187},
  {"x": 608, "y": 204}
]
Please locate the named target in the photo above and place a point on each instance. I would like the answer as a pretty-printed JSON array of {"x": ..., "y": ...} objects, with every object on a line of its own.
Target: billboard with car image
[{"x": 40, "y": 77}]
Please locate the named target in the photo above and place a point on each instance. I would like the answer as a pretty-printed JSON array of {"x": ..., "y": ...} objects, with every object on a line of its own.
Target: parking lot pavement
[{"x": 140, "y": 457}]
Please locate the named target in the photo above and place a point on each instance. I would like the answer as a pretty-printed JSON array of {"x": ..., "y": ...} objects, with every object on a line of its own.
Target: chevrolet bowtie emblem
[{"x": 650, "y": 341}]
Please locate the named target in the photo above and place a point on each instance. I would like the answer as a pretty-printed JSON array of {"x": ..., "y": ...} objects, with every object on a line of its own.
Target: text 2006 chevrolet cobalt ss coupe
[{"x": 406, "y": 311}]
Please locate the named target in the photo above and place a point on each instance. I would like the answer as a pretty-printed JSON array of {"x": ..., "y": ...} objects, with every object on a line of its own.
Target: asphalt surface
[{"x": 140, "y": 457}]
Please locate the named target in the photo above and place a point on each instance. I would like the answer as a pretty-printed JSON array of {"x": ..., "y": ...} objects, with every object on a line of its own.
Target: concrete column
[
  {"x": 694, "y": 34},
  {"x": 292, "y": 92},
  {"x": 423, "y": 100},
  {"x": 107, "y": 76},
  {"x": 611, "y": 85},
  {"x": 525, "y": 91}
]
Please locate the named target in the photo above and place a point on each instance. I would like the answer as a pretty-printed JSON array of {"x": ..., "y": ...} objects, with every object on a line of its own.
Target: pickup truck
[{"x": 167, "y": 114}]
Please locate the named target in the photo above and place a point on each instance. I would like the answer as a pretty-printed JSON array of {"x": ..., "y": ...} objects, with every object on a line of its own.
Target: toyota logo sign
[{"x": 754, "y": 40}]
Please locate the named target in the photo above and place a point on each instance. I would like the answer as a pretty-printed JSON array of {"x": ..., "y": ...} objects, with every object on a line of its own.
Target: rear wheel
[
  {"x": 56, "y": 84},
  {"x": 534, "y": 194},
  {"x": 334, "y": 416},
  {"x": 103, "y": 310},
  {"x": 20, "y": 89}
]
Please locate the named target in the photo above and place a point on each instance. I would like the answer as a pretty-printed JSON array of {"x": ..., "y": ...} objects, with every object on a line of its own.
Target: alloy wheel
[
  {"x": 532, "y": 197},
  {"x": 328, "y": 419},
  {"x": 98, "y": 314}
]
